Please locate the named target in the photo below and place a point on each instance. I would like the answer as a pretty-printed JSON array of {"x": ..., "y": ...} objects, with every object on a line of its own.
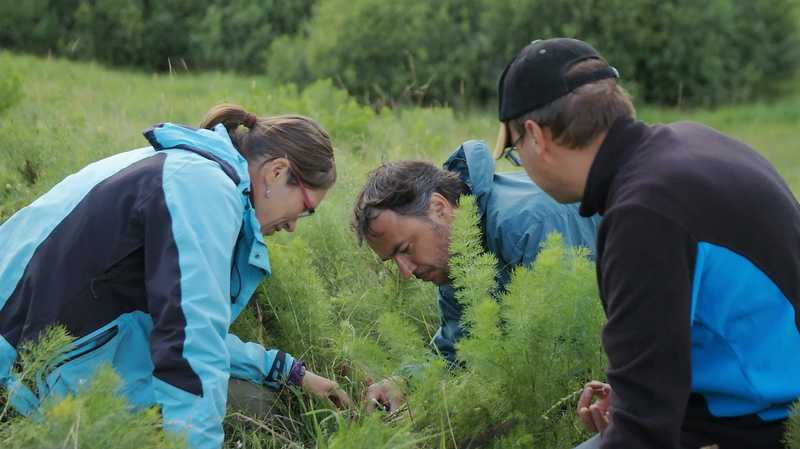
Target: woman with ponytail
[{"x": 148, "y": 256}]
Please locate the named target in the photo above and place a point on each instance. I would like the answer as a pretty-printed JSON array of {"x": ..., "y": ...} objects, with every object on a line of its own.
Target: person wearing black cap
[{"x": 698, "y": 256}]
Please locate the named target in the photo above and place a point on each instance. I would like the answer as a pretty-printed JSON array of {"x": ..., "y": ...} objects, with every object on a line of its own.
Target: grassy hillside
[{"x": 329, "y": 300}]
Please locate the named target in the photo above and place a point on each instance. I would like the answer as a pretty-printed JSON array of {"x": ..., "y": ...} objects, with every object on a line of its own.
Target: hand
[
  {"x": 386, "y": 395},
  {"x": 595, "y": 416},
  {"x": 326, "y": 388}
]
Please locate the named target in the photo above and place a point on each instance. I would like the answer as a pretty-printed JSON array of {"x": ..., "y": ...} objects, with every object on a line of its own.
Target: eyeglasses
[
  {"x": 511, "y": 153},
  {"x": 309, "y": 206}
]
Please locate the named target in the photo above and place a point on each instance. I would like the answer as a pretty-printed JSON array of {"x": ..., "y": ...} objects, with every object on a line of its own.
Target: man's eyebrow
[{"x": 394, "y": 252}]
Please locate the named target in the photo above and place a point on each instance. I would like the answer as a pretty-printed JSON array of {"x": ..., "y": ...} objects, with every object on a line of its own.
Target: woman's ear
[{"x": 275, "y": 169}]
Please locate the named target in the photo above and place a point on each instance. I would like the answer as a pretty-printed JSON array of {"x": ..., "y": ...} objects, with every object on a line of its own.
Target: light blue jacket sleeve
[
  {"x": 190, "y": 233},
  {"x": 253, "y": 363}
]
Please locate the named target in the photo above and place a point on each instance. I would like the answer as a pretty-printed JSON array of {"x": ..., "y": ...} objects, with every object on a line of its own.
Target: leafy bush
[
  {"x": 95, "y": 418},
  {"x": 450, "y": 51},
  {"x": 425, "y": 51},
  {"x": 524, "y": 359},
  {"x": 175, "y": 35},
  {"x": 674, "y": 51}
]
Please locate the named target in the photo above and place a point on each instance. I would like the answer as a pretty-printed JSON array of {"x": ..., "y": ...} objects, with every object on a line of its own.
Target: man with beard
[{"x": 405, "y": 210}]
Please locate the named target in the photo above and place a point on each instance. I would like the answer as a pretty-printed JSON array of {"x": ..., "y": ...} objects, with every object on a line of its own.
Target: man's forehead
[
  {"x": 383, "y": 228},
  {"x": 387, "y": 230}
]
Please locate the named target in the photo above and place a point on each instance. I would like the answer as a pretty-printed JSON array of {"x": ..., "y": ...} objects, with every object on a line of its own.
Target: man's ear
[
  {"x": 439, "y": 209},
  {"x": 541, "y": 137}
]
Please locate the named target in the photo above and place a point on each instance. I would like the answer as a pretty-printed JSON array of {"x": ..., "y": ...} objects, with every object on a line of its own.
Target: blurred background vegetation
[
  {"x": 441, "y": 52},
  {"x": 362, "y": 68}
]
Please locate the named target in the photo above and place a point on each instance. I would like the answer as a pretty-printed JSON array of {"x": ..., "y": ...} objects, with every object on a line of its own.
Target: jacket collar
[
  {"x": 214, "y": 144},
  {"x": 617, "y": 148}
]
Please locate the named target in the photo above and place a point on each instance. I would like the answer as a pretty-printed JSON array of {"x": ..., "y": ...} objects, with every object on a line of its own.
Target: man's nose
[{"x": 405, "y": 265}]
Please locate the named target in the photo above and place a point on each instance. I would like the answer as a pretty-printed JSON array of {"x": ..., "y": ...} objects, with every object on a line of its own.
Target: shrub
[
  {"x": 675, "y": 51},
  {"x": 385, "y": 52},
  {"x": 453, "y": 51},
  {"x": 95, "y": 418},
  {"x": 237, "y": 35}
]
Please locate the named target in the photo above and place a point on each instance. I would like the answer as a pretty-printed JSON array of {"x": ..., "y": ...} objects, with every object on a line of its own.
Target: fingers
[
  {"x": 586, "y": 419},
  {"x": 599, "y": 418},
  {"x": 594, "y": 417},
  {"x": 340, "y": 398},
  {"x": 586, "y": 397},
  {"x": 377, "y": 398},
  {"x": 395, "y": 402}
]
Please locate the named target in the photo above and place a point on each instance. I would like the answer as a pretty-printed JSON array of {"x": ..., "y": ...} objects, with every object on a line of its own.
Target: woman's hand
[
  {"x": 326, "y": 388},
  {"x": 595, "y": 416}
]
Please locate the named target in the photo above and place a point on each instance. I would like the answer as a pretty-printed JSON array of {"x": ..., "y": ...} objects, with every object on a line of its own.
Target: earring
[{"x": 267, "y": 191}]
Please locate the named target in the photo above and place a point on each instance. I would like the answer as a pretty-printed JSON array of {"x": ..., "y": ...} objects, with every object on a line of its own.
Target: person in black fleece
[{"x": 698, "y": 256}]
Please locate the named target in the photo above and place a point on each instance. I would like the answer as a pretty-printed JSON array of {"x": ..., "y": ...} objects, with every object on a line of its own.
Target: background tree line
[{"x": 426, "y": 51}]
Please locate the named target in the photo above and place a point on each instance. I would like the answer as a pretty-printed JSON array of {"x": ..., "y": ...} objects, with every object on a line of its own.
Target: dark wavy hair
[{"x": 404, "y": 187}]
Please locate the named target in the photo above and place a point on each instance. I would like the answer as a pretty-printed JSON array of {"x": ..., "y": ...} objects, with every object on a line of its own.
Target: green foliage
[
  {"x": 294, "y": 306},
  {"x": 536, "y": 345},
  {"x": 371, "y": 433},
  {"x": 425, "y": 54},
  {"x": 236, "y": 35},
  {"x": 33, "y": 361},
  {"x": 793, "y": 428},
  {"x": 443, "y": 52},
  {"x": 359, "y": 317},
  {"x": 10, "y": 90},
  {"x": 674, "y": 52},
  {"x": 452, "y": 51},
  {"x": 175, "y": 35},
  {"x": 95, "y": 418}
]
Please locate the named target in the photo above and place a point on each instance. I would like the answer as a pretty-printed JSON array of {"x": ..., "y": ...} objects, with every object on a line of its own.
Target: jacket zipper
[{"x": 96, "y": 343}]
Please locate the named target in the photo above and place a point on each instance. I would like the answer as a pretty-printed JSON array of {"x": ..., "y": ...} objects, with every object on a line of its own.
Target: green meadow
[{"x": 329, "y": 300}]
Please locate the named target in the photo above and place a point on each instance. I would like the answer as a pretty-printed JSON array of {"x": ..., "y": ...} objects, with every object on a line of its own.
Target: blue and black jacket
[
  {"x": 699, "y": 271},
  {"x": 516, "y": 216},
  {"x": 146, "y": 257}
]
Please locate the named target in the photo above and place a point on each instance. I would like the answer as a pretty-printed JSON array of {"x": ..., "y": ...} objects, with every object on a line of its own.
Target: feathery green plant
[
  {"x": 95, "y": 418},
  {"x": 792, "y": 438}
]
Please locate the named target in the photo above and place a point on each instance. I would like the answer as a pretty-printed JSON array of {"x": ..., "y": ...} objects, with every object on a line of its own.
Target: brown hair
[
  {"x": 299, "y": 139},
  {"x": 404, "y": 187},
  {"x": 580, "y": 116}
]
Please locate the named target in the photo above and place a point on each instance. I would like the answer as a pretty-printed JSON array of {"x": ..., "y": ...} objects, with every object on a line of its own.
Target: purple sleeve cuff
[{"x": 296, "y": 373}]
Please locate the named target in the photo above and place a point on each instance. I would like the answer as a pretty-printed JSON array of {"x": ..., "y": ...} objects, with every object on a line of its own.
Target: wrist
[{"x": 296, "y": 373}]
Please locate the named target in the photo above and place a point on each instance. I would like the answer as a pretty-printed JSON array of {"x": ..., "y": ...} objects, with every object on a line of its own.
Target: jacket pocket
[{"x": 88, "y": 346}]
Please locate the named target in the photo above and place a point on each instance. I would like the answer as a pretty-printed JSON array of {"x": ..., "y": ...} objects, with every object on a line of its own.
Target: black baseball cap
[{"x": 538, "y": 76}]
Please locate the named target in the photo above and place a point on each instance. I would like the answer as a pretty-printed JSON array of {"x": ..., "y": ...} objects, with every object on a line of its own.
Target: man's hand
[
  {"x": 326, "y": 388},
  {"x": 595, "y": 415},
  {"x": 386, "y": 395}
]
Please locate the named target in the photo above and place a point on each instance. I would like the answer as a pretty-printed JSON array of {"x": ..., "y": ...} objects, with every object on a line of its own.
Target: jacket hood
[
  {"x": 214, "y": 144},
  {"x": 474, "y": 164}
]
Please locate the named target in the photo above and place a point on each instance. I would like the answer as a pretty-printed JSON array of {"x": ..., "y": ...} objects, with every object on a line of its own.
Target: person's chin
[{"x": 440, "y": 278}]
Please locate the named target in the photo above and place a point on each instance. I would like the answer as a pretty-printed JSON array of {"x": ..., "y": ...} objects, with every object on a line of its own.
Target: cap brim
[{"x": 502, "y": 141}]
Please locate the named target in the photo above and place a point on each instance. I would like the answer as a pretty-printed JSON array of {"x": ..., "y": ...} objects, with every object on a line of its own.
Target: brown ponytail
[{"x": 299, "y": 139}]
